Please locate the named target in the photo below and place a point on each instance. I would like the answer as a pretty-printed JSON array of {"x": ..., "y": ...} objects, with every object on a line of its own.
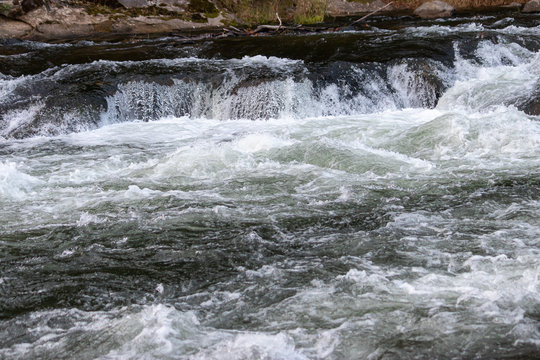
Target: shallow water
[{"x": 277, "y": 204}]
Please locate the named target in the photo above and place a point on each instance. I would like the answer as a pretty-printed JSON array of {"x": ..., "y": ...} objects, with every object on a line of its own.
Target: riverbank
[{"x": 68, "y": 20}]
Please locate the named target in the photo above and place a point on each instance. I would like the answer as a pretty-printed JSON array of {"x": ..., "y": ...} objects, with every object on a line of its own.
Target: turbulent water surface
[{"x": 366, "y": 194}]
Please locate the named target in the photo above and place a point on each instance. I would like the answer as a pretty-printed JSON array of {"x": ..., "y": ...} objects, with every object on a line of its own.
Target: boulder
[
  {"x": 531, "y": 104},
  {"x": 435, "y": 9},
  {"x": 531, "y": 6}
]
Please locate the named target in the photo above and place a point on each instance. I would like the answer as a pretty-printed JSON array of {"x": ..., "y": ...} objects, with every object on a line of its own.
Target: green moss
[
  {"x": 4, "y": 9},
  {"x": 203, "y": 7},
  {"x": 307, "y": 20}
]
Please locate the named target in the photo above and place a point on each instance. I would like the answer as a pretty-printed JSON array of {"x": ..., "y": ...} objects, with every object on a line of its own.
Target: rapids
[{"x": 366, "y": 194}]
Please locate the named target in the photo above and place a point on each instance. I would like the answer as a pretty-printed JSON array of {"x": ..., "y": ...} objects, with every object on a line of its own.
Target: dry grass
[
  {"x": 310, "y": 11},
  {"x": 264, "y": 11}
]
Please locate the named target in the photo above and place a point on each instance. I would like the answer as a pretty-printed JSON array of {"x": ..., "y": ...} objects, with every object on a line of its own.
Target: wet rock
[
  {"x": 434, "y": 9},
  {"x": 531, "y": 6},
  {"x": 528, "y": 102},
  {"x": 531, "y": 105},
  {"x": 72, "y": 101}
]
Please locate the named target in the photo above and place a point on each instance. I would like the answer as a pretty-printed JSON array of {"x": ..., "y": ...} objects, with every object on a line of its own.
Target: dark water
[{"x": 367, "y": 194}]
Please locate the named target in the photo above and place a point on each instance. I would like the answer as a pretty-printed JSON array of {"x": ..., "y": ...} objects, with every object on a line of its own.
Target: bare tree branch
[{"x": 371, "y": 13}]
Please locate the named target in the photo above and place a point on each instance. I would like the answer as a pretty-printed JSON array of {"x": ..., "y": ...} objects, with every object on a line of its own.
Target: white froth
[
  {"x": 256, "y": 142},
  {"x": 86, "y": 219},
  {"x": 15, "y": 184},
  {"x": 16, "y": 118},
  {"x": 254, "y": 346},
  {"x": 8, "y": 84},
  {"x": 314, "y": 151},
  {"x": 443, "y": 30}
]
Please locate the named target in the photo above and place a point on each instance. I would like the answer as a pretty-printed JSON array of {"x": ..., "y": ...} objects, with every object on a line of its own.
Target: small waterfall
[
  {"x": 80, "y": 97},
  {"x": 354, "y": 89}
]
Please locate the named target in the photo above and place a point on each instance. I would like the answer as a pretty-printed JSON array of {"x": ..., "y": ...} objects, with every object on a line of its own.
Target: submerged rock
[
  {"x": 531, "y": 105},
  {"x": 434, "y": 9},
  {"x": 531, "y": 6}
]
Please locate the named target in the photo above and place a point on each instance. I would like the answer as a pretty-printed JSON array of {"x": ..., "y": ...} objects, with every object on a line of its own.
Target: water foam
[
  {"x": 15, "y": 184},
  {"x": 150, "y": 332},
  {"x": 369, "y": 234}
]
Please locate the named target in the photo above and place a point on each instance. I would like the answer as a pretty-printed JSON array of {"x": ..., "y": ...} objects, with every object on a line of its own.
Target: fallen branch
[
  {"x": 235, "y": 29},
  {"x": 266, "y": 27},
  {"x": 371, "y": 13},
  {"x": 275, "y": 28}
]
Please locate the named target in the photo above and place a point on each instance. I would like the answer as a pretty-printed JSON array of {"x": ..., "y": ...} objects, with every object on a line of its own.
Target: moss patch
[
  {"x": 308, "y": 20},
  {"x": 203, "y": 7},
  {"x": 4, "y": 9}
]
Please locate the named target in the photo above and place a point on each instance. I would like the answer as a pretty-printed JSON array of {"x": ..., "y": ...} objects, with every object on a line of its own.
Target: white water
[{"x": 459, "y": 272}]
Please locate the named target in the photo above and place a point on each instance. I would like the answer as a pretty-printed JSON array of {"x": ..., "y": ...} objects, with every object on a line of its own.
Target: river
[{"x": 364, "y": 194}]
